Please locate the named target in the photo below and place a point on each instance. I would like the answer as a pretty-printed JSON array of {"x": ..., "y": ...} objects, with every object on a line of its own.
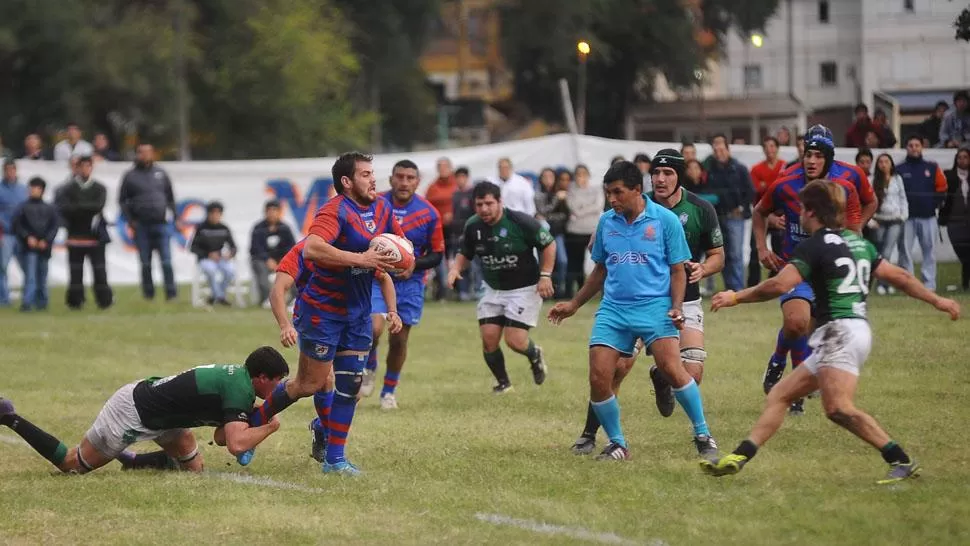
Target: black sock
[
  {"x": 531, "y": 352},
  {"x": 158, "y": 460},
  {"x": 496, "y": 363},
  {"x": 893, "y": 453},
  {"x": 746, "y": 448},
  {"x": 46, "y": 445},
  {"x": 592, "y": 422}
]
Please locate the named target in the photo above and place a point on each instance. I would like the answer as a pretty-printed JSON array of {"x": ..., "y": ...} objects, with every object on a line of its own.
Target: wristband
[
  {"x": 546, "y": 275},
  {"x": 734, "y": 297},
  {"x": 395, "y": 312}
]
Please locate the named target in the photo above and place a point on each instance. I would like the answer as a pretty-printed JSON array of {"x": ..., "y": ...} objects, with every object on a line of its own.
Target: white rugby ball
[{"x": 400, "y": 249}]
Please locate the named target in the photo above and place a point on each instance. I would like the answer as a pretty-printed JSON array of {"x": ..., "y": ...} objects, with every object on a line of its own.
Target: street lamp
[
  {"x": 757, "y": 40},
  {"x": 583, "y": 48}
]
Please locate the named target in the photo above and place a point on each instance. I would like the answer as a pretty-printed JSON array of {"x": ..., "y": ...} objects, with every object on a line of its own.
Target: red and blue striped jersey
[
  {"x": 343, "y": 293},
  {"x": 295, "y": 266},
  {"x": 422, "y": 226}
]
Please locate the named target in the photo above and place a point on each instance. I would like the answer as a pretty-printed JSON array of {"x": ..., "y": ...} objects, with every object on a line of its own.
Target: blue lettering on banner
[
  {"x": 303, "y": 209},
  {"x": 628, "y": 257}
]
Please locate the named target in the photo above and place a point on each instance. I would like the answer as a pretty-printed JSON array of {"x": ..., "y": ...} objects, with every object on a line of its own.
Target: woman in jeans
[
  {"x": 893, "y": 208},
  {"x": 551, "y": 208}
]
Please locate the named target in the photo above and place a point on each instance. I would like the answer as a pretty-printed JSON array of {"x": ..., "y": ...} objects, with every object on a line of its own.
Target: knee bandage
[
  {"x": 693, "y": 355},
  {"x": 348, "y": 372},
  {"x": 187, "y": 458}
]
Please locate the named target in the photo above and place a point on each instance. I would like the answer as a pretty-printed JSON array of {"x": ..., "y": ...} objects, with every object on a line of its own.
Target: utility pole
[{"x": 185, "y": 152}]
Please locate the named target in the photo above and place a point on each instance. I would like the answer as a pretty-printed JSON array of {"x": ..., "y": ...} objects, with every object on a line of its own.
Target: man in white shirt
[
  {"x": 73, "y": 145},
  {"x": 517, "y": 192}
]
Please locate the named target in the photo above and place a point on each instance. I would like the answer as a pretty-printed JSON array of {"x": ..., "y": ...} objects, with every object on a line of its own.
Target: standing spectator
[
  {"x": 81, "y": 206},
  {"x": 763, "y": 175},
  {"x": 925, "y": 190},
  {"x": 800, "y": 146},
  {"x": 517, "y": 191},
  {"x": 955, "y": 127},
  {"x": 72, "y": 145},
  {"x": 880, "y": 125},
  {"x": 696, "y": 183},
  {"x": 463, "y": 208},
  {"x": 930, "y": 128},
  {"x": 270, "y": 240},
  {"x": 783, "y": 136},
  {"x": 553, "y": 210},
  {"x": 855, "y": 137},
  {"x": 730, "y": 180},
  {"x": 585, "y": 202},
  {"x": 34, "y": 148},
  {"x": 863, "y": 160},
  {"x": 12, "y": 194},
  {"x": 145, "y": 198},
  {"x": 893, "y": 210},
  {"x": 102, "y": 149},
  {"x": 212, "y": 243},
  {"x": 441, "y": 194},
  {"x": 955, "y": 214},
  {"x": 642, "y": 162},
  {"x": 689, "y": 151},
  {"x": 35, "y": 225}
]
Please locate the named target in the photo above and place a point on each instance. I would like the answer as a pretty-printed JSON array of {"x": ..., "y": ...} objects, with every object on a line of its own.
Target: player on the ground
[
  {"x": 641, "y": 254},
  {"x": 838, "y": 263},
  {"x": 515, "y": 283},
  {"x": 706, "y": 244},
  {"x": 422, "y": 226},
  {"x": 332, "y": 314},
  {"x": 818, "y": 161},
  {"x": 163, "y": 409}
]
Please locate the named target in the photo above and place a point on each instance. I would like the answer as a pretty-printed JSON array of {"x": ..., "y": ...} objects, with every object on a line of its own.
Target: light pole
[{"x": 582, "y": 47}]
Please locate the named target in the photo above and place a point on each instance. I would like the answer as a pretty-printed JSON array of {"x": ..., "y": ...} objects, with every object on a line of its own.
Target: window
[
  {"x": 829, "y": 74},
  {"x": 752, "y": 76},
  {"x": 823, "y": 11},
  {"x": 908, "y": 6}
]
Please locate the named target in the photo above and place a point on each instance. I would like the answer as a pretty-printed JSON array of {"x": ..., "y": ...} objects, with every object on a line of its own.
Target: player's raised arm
[
  {"x": 912, "y": 287},
  {"x": 783, "y": 282}
]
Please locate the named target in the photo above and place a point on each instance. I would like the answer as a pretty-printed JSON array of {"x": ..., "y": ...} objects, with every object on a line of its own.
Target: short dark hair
[
  {"x": 486, "y": 188},
  {"x": 214, "y": 206},
  {"x": 404, "y": 164},
  {"x": 9, "y": 162},
  {"x": 346, "y": 165},
  {"x": 626, "y": 172},
  {"x": 770, "y": 138},
  {"x": 800, "y": 138},
  {"x": 861, "y": 107},
  {"x": 272, "y": 204},
  {"x": 943, "y": 104},
  {"x": 641, "y": 158},
  {"x": 961, "y": 94},
  {"x": 461, "y": 170},
  {"x": 914, "y": 136},
  {"x": 863, "y": 152},
  {"x": 686, "y": 145},
  {"x": 37, "y": 182},
  {"x": 616, "y": 159},
  {"x": 71, "y": 124},
  {"x": 721, "y": 136},
  {"x": 84, "y": 159},
  {"x": 825, "y": 199},
  {"x": 267, "y": 361}
]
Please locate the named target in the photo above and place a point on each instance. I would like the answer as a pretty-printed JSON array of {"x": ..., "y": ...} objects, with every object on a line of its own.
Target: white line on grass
[
  {"x": 265, "y": 482},
  {"x": 9, "y": 440},
  {"x": 550, "y": 529}
]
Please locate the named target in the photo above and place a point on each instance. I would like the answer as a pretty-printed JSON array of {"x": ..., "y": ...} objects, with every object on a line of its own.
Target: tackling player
[
  {"x": 704, "y": 239},
  {"x": 163, "y": 409},
  {"x": 818, "y": 161},
  {"x": 332, "y": 314},
  {"x": 516, "y": 283},
  {"x": 838, "y": 263},
  {"x": 640, "y": 253},
  {"x": 422, "y": 226}
]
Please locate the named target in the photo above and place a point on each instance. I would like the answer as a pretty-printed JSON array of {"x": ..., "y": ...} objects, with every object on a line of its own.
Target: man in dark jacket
[
  {"x": 463, "y": 208},
  {"x": 146, "y": 198},
  {"x": 215, "y": 248},
  {"x": 855, "y": 137},
  {"x": 270, "y": 241},
  {"x": 35, "y": 224},
  {"x": 930, "y": 128},
  {"x": 730, "y": 180},
  {"x": 925, "y": 189},
  {"x": 81, "y": 205}
]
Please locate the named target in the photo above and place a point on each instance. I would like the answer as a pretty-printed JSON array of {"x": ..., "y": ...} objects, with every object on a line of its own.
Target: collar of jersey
[{"x": 647, "y": 214}]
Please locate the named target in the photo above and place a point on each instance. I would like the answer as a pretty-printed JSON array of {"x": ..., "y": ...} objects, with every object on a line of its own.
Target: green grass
[{"x": 454, "y": 450}]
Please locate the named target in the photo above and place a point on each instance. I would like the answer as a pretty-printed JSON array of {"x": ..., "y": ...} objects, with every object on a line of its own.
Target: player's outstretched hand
[
  {"x": 372, "y": 259},
  {"x": 453, "y": 276},
  {"x": 949, "y": 306},
  {"x": 562, "y": 311},
  {"x": 677, "y": 316},
  {"x": 288, "y": 336},
  {"x": 695, "y": 272},
  {"x": 274, "y": 423},
  {"x": 545, "y": 287},
  {"x": 394, "y": 324},
  {"x": 723, "y": 299},
  {"x": 770, "y": 260}
]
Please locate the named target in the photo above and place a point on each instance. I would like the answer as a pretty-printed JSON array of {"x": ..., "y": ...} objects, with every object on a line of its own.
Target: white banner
[{"x": 301, "y": 185}]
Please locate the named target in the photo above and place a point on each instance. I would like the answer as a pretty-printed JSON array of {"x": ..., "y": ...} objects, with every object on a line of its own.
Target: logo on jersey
[
  {"x": 500, "y": 262},
  {"x": 683, "y": 218},
  {"x": 400, "y": 220},
  {"x": 503, "y": 232},
  {"x": 628, "y": 257},
  {"x": 370, "y": 225},
  {"x": 650, "y": 234},
  {"x": 613, "y": 234}
]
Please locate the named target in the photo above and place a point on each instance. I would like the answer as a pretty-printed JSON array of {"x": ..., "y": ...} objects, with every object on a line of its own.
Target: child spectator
[{"x": 35, "y": 226}]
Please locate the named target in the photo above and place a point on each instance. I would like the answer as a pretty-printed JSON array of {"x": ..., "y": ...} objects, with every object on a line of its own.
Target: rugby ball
[{"x": 400, "y": 249}]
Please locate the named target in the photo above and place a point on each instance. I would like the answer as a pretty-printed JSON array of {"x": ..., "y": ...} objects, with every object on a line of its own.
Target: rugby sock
[
  {"x": 592, "y": 422},
  {"x": 530, "y": 352},
  {"x": 46, "y": 445},
  {"x": 323, "y": 403},
  {"x": 278, "y": 401},
  {"x": 689, "y": 398},
  {"x": 800, "y": 351},
  {"x": 496, "y": 363},
  {"x": 893, "y": 453},
  {"x": 339, "y": 427},
  {"x": 782, "y": 346},
  {"x": 746, "y": 448},
  {"x": 372, "y": 359},
  {"x": 390, "y": 382},
  {"x": 157, "y": 460},
  {"x": 608, "y": 413}
]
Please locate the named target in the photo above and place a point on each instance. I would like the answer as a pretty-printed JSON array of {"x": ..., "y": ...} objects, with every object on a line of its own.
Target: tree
[{"x": 962, "y": 25}]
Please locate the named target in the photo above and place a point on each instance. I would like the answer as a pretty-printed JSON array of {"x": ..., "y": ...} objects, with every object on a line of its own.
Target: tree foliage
[{"x": 962, "y": 25}]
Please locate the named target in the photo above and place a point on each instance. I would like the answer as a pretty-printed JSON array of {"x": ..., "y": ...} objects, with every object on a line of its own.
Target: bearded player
[
  {"x": 818, "y": 161},
  {"x": 422, "y": 226},
  {"x": 838, "y": 263}
]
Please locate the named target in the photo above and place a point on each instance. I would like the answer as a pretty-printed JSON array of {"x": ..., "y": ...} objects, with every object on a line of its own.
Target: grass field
[{"x": 457, "y": 465}]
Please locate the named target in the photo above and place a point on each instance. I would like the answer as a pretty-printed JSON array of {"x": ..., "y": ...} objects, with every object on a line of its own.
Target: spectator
[
  {"x": 689, "y": 151},
  {"x": 739, "y": 140},
  {"x": 955, "y": 214},
  {"x": 893, "y": 210},
  {"x": 642, "y": 162},
  {"x": 783, "y": 136},
  {"x": 697, "y": 183},
  {"x": 930, "y": 128},
  {"x": 35, "y": 226},
  {"x": 212, "y": 243},
  {"x": 881, "y": 126},
  {"x": 517, "y": 191},
  {"x": 270, "y": 240},
  {"x": 800, "y": 146},
  {"x": 12, "y": 194},
  {"x": 616, "y": 159},
  {"x": 855, "y": 137},
  {"x": 5, "y": 153},
  {"x": 763, "y": 175},
  {"x": 872, "y": 139},
  {"x": 730, "y": 180},
  {"x": 102, "y": 149},
  {"x": 34, "y": 148},
  {"x": 145, "y": 198},
  {"x": 955, "y": 127},
  {"x": 585, "y": 203},
  {"x": 80, "y": 204},
  {"x": 552, "y": 209},
  {"x": 72, "y": 145},
  {"x": 463, "y": 208},
  {"x": 863, "y": 160},
  {"x": 925, "y": 189},
  {"x": 441, "y": 194}
]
